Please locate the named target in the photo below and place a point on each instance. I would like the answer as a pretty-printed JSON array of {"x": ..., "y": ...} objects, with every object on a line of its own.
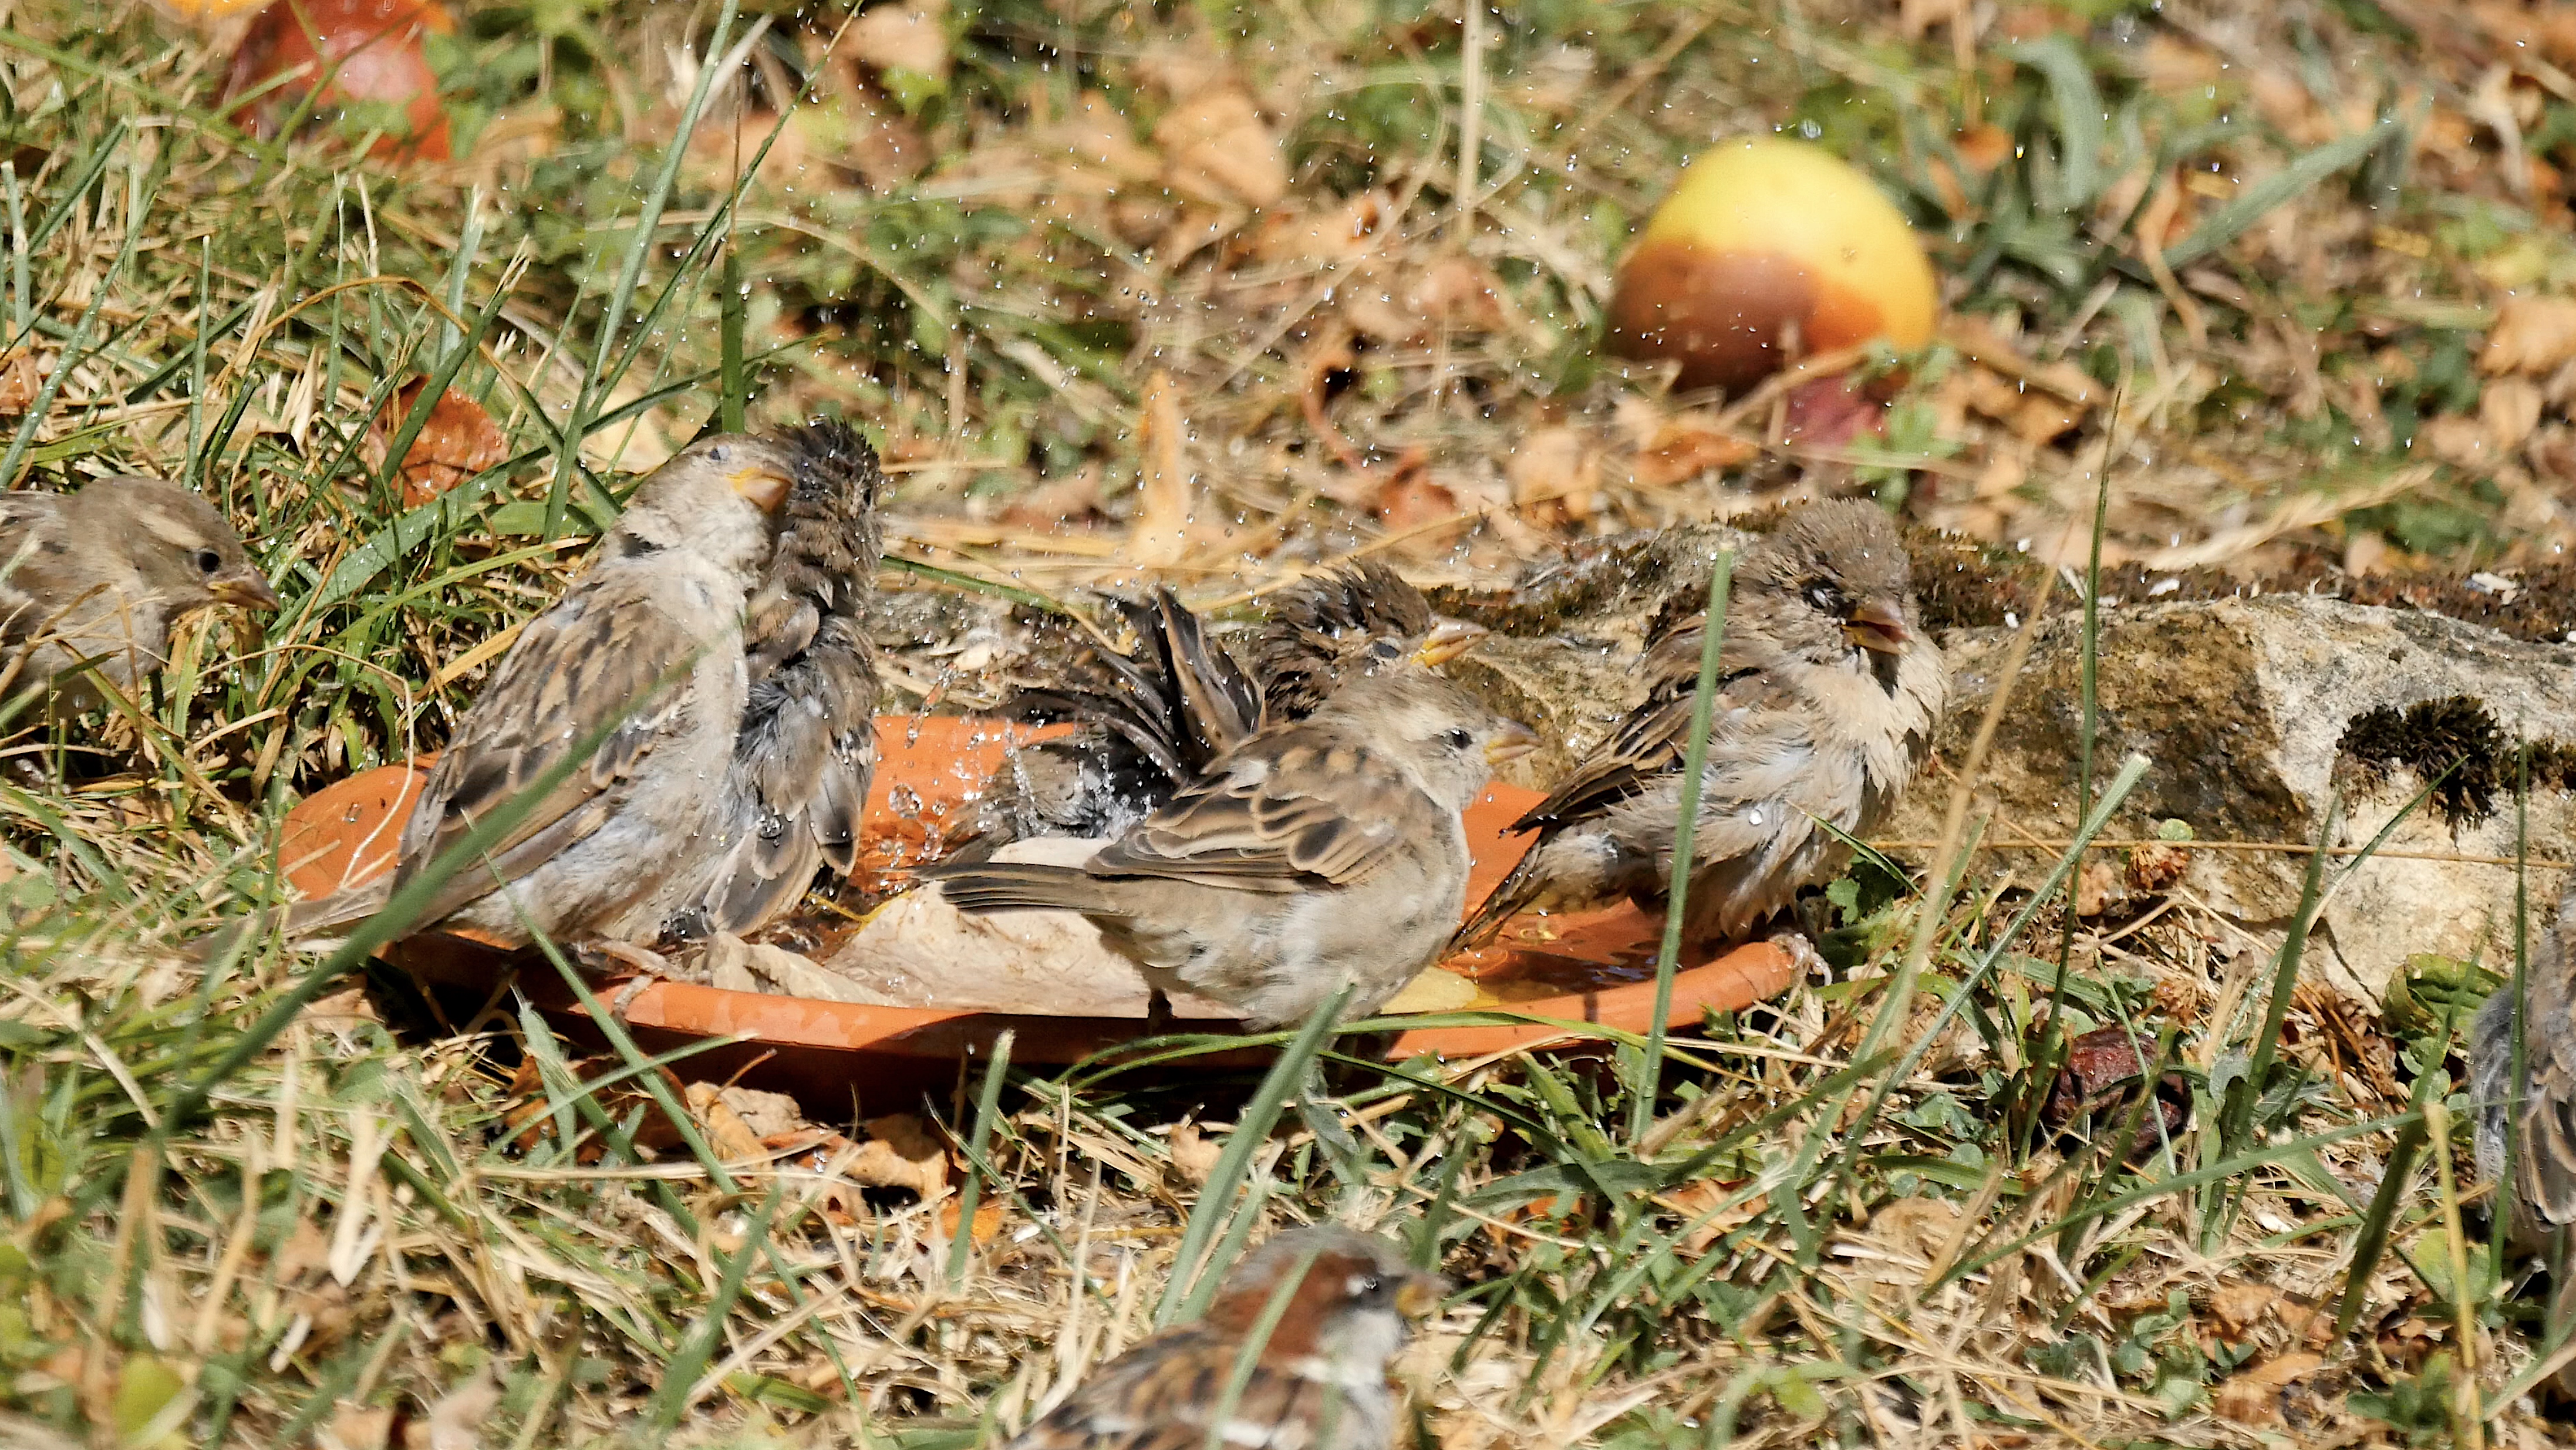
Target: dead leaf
[
  {"x": 735, "y": 965},
  {"x": 730, "y": 1137},
  {"x": 2155, "y": 869},
  {"x": 2509, "y": 409},
  {"x": 1161, "y": 535},
  {"x": 770, "y": 1115},
  {"x": 22, "y": 376},
  {"x": 1094, "y": 151},
  {"x": 456, "y": 1419},
  {"x": 1194, "y": 1153},
  {"x": 355, "y": 1427},
  {"x": 456, "y": 441},
  {"x": 2532, "y": 334},
  {"x": 1683, "y": 448},
  {"x": 1217, "y": 147},
  {"x": 920, "y": 951},
  {"x": 1553, "y": 473},
  {"x": 901, "y": 1153},
  {"x": 988, "y": 1221},
  {"x": 2253, "y": 1396},
  {"x": 910, "y": 37},
  {"x": 370, "y": 49},
  {"x": 2237, "y": 1308}
]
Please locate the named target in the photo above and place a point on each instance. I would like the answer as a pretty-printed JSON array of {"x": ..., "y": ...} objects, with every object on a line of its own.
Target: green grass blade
[
  {"x": 1641, "y": 1105},
  {"x": 1251, "y": 1129}
]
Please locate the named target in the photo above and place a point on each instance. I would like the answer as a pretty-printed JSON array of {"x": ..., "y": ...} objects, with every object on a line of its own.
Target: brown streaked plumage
[
  {"x": 1317, "y": 853},
  {"x": 101, "y": 575},
  {"x": 1155, "y": 714},
  {"x": 1828, "y": 694},
  {"x": 2538, "y": 1181},
  {"x": 1318, "y": 1381},
  {"x": 736, "y": 751}
]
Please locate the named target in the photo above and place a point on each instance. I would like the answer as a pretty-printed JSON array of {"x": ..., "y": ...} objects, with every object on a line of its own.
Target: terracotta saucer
[{"x": 1546, "y": 980}]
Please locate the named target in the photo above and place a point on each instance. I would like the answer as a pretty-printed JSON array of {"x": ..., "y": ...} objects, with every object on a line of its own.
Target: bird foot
[
  {"x": 1802, "y": 953},
  {"x": 1158, "y": 1013}
]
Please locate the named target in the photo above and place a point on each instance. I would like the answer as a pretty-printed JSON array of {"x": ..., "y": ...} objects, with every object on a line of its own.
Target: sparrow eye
[
  {"x": 208, "y": 561},
  {"x": 1367, "y": 1286},
  {"x": 1381, "y": 649},
  {"x": 1458, "y": 739},
  {"x": 1825, "y": 597}
]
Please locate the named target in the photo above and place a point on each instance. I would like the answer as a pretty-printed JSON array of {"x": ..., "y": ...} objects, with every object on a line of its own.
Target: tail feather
[
  {"x": 1508, "y": 900},
  {"x": 1022, "y": 886}
]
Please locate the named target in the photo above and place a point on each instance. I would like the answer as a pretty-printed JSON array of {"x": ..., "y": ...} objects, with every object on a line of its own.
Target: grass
[{"x": 248, "y": 1203}]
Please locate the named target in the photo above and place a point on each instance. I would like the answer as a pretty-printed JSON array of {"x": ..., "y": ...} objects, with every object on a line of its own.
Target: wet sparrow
[
  {"x": 1827, "y": 697},
  {"x": 732, "y": 760},
  {"x": 1315, "y": 853},
  {"x": 1153, "y": 716},
  {"x": 101, "y": 575},
  {"x": 1317, "y": 1381}
]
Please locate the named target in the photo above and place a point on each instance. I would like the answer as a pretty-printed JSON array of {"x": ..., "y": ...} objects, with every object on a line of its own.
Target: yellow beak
[
  {"x": 1421, "y": 1294},
  {"x": 1511, "y": 742},
  {"x": 1448, "y": 640},
  {"x": 1877, "y": 626},
  {"x": 766, "y": 487}
]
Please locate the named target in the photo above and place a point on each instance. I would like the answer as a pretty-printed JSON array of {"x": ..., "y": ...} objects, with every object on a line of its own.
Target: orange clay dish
[{"x": 1589, "y": 968}]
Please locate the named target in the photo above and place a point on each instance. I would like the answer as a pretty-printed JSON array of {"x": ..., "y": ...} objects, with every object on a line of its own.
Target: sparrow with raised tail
[
  {"x": 1153, "y": 715},
  {"x": 1317, "y": 1381},
  {"x": 1330, "y": 628},
  {"x": 2538, "y": 1181},
  {"x": 1828, "y": 694},
  {"x": 1314, "y": 854},
  {"x": 100, "y": 576},
  {"x": 714, "y": 640}
]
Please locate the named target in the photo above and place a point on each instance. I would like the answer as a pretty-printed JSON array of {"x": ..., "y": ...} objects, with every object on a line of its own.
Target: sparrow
[
  {"x": 715, "y": 641},
  {"x": 1315, "y": 854},
  {"x": 100, "y": 576},
  {"x": 1330, "y": 628},
  {"x": 1317, "y": 1381},
  {"x": 1155, "y": 714},
  {"x": 2539, "y": 1182},
  {"x": 1828, "y": 693}
]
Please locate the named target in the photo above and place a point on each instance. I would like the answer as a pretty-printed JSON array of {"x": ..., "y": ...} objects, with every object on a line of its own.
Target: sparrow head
[
  {"x": 720, "y": 497},
  {"x": 1438, "y": 733},
  {"x": 1832, "y": 584},
  {"x": 185, "y": 552},
  {"x": 1358, "y": 620},
  {"x": 1349, "y": 1297}
]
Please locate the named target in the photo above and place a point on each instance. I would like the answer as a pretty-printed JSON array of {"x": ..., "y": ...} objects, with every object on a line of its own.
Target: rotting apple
[{"x": 1769, "y": 250}]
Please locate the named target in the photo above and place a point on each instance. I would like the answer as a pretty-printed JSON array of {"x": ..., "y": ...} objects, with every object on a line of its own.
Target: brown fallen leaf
[
  {"x": 22, "y": 376},
  {"x": 1684, "y": 447},
  {"x": 901, "y": 1153},
  {"x": 2532, "y": 334},
  {"x": 2253, "y": 1396},
  {"x": 1216, "y": 147},
  {"x": 2237, "y": 1308},
  {"x": 456, "y": 441},
  {"x": 1161, "y": 534},
  {"x": 730, "y": 1137},
  {"x": 988, "y": 1221},
  {"x": 911, "y": 37},
  {"x": 1194, "y": 1153},
  {"x": 370, "y": 51},
  {"x": 1553, "y": 473}
]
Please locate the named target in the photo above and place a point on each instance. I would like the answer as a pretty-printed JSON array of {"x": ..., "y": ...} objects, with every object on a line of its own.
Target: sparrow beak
[
  {"x": 1448, "y": 640},
  {"x": 766, "y": 487},
  {"x": 1511, "y": 742},
  {"x": 244, "y": 587},
  {"x": 1877, "y": 626},
  {"x": 1420, "y": 1295}
]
